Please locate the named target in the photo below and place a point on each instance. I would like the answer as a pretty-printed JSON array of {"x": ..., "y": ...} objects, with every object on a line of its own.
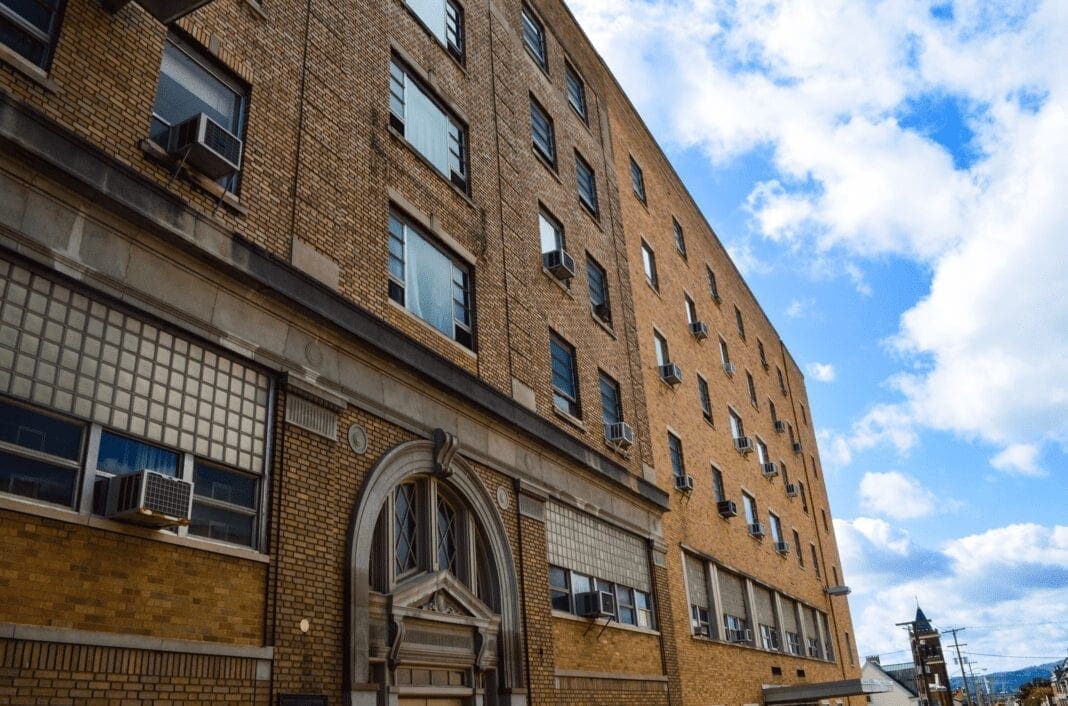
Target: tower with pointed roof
[{"x": 932, "y": 677}]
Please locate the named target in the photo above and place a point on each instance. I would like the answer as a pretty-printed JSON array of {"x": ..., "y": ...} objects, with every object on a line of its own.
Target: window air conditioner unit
[
  {"x": 770, "y": 470},
  {"x": 206, "y": 146},
  {"x": 797, "y": 447},
  {"x": 729, "y": 368},
  {"x": 150, "y": 498},
  {"x": 671, "y": 374},
  {"x": 740, "y": 635},
  {"x": 791, "y": 490},
  {"x": 621, "y": 434},
  {"x": 684, "y": 483},
  {"x": 699, "y": 329},
  {"x": 559, "y": 264},
  {"x": 756, "y": 529},
  {"x": 782, "y": 547},
  {"x": 780, "y": 426},
  {"x": 743, "y": 444},
  {"x": 595, "y": 604},
  {"x": 727, "y": 508}
]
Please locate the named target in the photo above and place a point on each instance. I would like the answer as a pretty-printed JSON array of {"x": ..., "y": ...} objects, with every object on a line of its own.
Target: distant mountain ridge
[{"x": 1002, "y": 682}]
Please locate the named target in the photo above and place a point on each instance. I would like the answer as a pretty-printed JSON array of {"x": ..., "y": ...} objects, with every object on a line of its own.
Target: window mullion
[
  {"x": 92, "y": 450},
  {"x": 426, "y": 526}
]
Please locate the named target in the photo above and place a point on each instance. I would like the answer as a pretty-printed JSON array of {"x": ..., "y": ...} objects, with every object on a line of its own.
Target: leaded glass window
[{"x": 405, "y": 528}]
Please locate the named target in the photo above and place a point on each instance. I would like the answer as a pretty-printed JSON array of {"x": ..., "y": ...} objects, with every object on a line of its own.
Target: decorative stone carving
[{"x": 445, "y": 447}]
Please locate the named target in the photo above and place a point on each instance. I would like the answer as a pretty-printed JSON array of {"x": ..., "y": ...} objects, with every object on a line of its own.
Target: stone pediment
[{"x": 443, "y": 594}]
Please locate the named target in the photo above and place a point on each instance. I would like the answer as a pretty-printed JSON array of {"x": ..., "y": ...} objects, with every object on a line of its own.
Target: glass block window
[
  {"x": 587, "y": 184},
  {"x": 430, "y": 129},
  {"x": 30, "y": 28},
  {"x": 565, "y": 377},
  {"x": 584, "y": 544},
  {"x": 541, "y": 127},
  {"x": 576, "y": 92},
  {"x": 534, "y": 38},
  {"x": 429, "y": 282}
]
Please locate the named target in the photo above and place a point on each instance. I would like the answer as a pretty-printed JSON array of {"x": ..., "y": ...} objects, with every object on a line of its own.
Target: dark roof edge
[{"x": 88, "y": 170}]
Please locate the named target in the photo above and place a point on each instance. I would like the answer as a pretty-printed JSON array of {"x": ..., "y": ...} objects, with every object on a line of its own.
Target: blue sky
[{"x": 891, "y": 178}]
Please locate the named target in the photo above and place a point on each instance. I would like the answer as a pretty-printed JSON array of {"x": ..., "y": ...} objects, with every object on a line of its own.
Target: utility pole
[
  {"x": 978, "y": 687},
  {"x": 956, "y": 645}
]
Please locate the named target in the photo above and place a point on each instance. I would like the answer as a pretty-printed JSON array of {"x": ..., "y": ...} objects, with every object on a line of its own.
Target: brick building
[{"x": 329, "y": 368}]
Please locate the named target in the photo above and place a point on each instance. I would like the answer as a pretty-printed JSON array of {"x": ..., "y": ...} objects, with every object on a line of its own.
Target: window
[
  {"x": 797, "y": 550},
  {"x": 680, "y": 238},
  {"x": 752, "y": 388},
  {"x": 725, "y": 355},
  {"x": 782, "y": 381},
  {"x": 769, "y": 638},
  {"x": 534, "y": 38},
  {"x": 737, "y": 430},
  {"x": 576, "y": 92},
  {"x": 190, "y": 84},
  {"x": 565, "y": 380},
  {"x": 717, "y": 485},
  {"x": 849, "y": 648},
  {"x": 804, "y": 414},
  {"x": 649, "y": 265},
  {"x": 834, "y": 574},
  {"x": 826, "y": 526},
  {"x": 445, "y": 20},
  {"x": 762, "y": 451},
  {"x": 815, "y": 560},
  {"x": 793, "y": 643},
  {"x": 611, "y": 404},
  {"x": 776, "y": 527},
  {"x": 713, "y": 289},
  {"x": 551, "y": 232},
  {"x": 637, "y": 180},
  {"x": 663, "y": 355},
  {"x": 815, "y": 466},
  {"x": 739, "y": 323},
  {"x": 678, "y": 466},
  {"x": 804, "y": 498},
  {"x": 225, "y": 504},
  {"x": 691, "y": 310},
  {"x": 700, "y": 603},
  {"x": 40, "y": 454},
  {"x": 763, "y": 354},
  {"x": 587, "y": 184},
  {"x": 706, "y": 399},
  {"x": 541, "y": 126},
  {"x": 429, "y": 282},
  {"x": 597, "y": 279},
  {"x": 633, "y": 606},
  {"x": 749, "y": 503},
  {"x": 30, "y": 29},
  {"x": 426, "y": 125},
  {"x": 774, "y": 414},
  {"x": 785, "y": 473},
  {"x": 406, "y": 536}
]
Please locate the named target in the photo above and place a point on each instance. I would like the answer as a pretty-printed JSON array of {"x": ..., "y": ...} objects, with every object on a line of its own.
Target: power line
[
  {"x": 985, "y": 654},
  {"x": 1014, "y": 625}
]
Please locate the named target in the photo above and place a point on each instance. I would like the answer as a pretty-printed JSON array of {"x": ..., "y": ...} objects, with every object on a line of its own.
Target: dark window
[
  {"x": 678, "y": 467},
  {"x": 625, "y": 605},
  {"x": 534, "y": 38},
  {"x": 738, "y": 321},
  {"x": 611, "y": 405},
  {"x": 225, "y": 504},
  {"x": 30, "y": 28},
  {"x": 752, "y": 388},
  {"x": 782, "y": 381},
  {"x": 541, "y": 126},
  {"x": 706, "y": 399},
  {"x": 804, "y": 498},
  {"x": 559, "y": 589},
  {"x": 447, "y": 525},
  {"x": 717, "y": 485},
  {"x": 763, "y": 354},
  {"x": 713, "y": 289},
  {"x": 797, "y": 550},
  {"x": 576, "y": 92},
  {"x": 815, "y": 560},
  {"x": 428, "y": 282},
  {"x": 405, "y": 527},
  {"x": 598, "y": 281},
  {"x": 39, "y": 454},
  {"x": 430, "y": 129},
  {"x": 190, "y": 84},
  {"x": 637, "y": 180},
  {"x": 120, "y": 455},
  {"x": 804, "y": 414},
  {"x": 565, "y": 380},
  {"x": 445, "y": 20},
  {"x": 649, "y": 265},
  {"x": 680, "y": 237},
  {"x": 587, "y": 184}
]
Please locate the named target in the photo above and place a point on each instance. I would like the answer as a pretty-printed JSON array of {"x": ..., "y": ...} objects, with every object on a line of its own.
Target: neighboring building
[
  {"x": 376, "y": 354},
  {"x": 931, "y": 678},
  {"x": 900, "y": 677},
  {"x": 1059, "y": 682}
]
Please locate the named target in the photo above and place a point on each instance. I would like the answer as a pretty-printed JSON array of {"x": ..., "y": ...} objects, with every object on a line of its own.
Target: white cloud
[
  {"x": 800, "y": 308},
  {"x": 824, "y": 372},
  {"x": 826, "y": 87},
  {"x": 1019, "y": 459},
  {"x": 1000, "y": 583},
  {"x": 896, "y": 495}
]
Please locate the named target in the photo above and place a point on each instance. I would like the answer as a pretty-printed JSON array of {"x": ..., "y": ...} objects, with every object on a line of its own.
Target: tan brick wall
[
  {"x": 67, "y": 575},
  {"x": 51, "y": 673},
  {"x": 583, "y": 646}
]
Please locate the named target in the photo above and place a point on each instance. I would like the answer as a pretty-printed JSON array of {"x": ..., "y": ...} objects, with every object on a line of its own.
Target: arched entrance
[{"x": 432, "y": 590}]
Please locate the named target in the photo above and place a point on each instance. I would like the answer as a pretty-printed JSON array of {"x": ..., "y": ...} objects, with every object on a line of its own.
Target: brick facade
[{"x": 288, "y": 278}]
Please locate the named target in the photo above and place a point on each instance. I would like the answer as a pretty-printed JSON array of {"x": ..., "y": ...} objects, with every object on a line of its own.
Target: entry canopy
[{"x": 813, "y": 693}]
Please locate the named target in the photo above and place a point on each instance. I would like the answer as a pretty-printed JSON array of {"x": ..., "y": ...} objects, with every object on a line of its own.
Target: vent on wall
[{"x": 313, "y": 417}]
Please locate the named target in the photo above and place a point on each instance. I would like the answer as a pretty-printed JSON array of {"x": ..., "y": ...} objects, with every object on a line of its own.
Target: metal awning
[{"x": 813, "y": 693}]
